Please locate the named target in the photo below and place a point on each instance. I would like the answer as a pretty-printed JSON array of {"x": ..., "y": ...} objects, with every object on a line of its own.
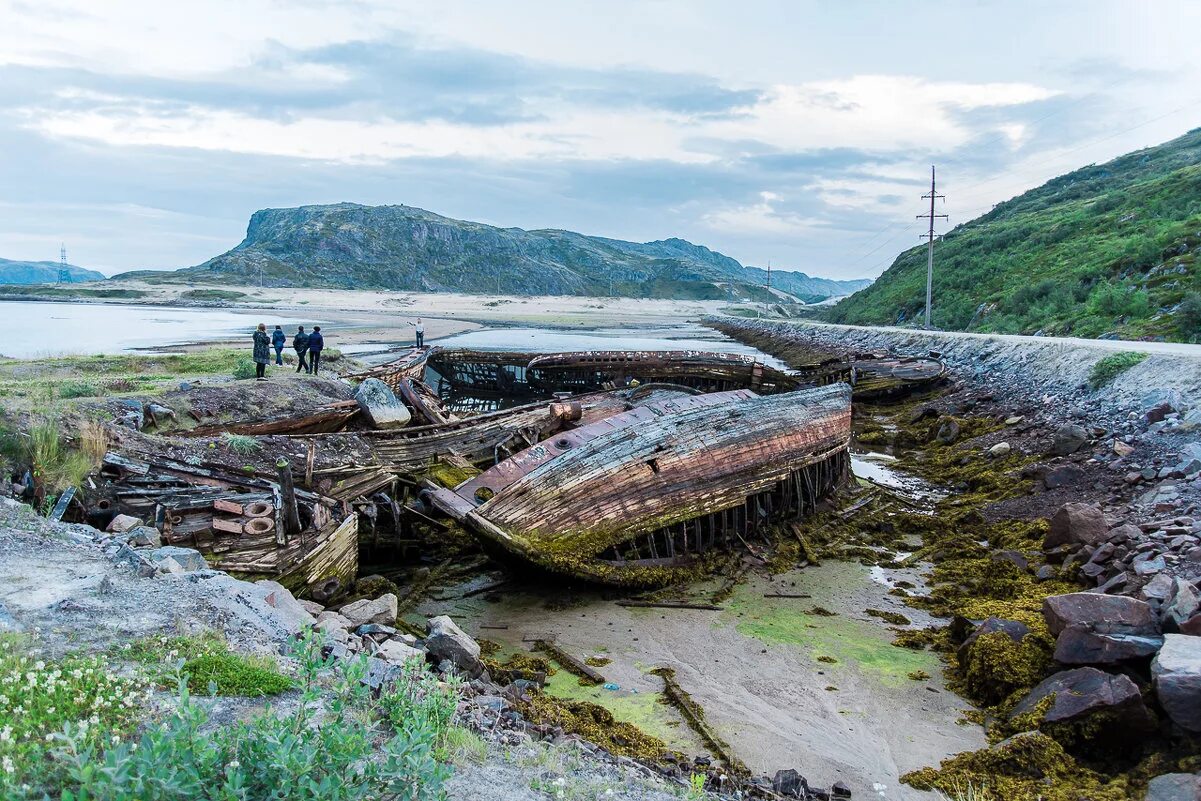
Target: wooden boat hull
[
  {"x": 702, "y": 370},
  {"x": 579, "y": 504}
]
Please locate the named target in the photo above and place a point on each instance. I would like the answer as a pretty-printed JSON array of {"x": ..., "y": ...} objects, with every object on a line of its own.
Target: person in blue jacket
[
  {"x": 316, "y": 345},
  {"x": 278, "y": 340}
]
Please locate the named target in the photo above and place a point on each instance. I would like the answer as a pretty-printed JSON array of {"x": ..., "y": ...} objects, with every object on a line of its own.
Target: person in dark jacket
[
  {"x": 278, "y": 340},
  {"x": 316, "y": 345},
  {"x": 262, "y": 352},
  {"x": 300, "y": 344}
]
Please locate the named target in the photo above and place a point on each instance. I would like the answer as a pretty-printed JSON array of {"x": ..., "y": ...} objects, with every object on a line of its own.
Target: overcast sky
[{"x": 144, "y": 134}]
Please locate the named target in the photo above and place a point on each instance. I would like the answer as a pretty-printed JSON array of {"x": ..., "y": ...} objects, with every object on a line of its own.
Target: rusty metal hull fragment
[{"x": 657, "y": 486}]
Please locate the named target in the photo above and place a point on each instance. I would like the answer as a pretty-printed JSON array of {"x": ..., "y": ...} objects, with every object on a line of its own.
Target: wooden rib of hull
[
  {"x": 326, "y": 420},
  {"x": 649, "y": 475},
  {"x": 410, "y": 364},
  {"x": 703, "y": 370}
]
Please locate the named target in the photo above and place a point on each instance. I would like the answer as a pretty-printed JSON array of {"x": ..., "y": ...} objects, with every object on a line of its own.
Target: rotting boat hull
[{"x": 649, "y": 490}]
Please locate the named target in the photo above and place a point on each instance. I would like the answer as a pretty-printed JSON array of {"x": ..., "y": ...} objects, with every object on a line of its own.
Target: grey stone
[
  {"x": 382, "y": 610},
  {"x": 1082, "y": 693},
  {"x": 948, "y": 432},
  {"x": 1148, "y": 564},
  {"x": 1000, "y": 449},
  {"x": 1174, "y": 787},
  {"x": 380, "y": 405},
  {"x": 1063, "y": 475},
  {"x": 374, "y": 628},
  {"x": 1176, "y": 676},
  {"x": 398, "y": 653},
  {"x": 333, "y": 630},
  {"x": 1068, "y": 439},
  {"x": 1181, "y": 603},
  {"x": 1077, "y": 524},
  {"x": 188, "y": 558},
  {"x": 1158, "y": 588},
  {"x": 143, "y": 537},
  {"x": 122, "y": 523},
  {"x": 7, "y": 621},
  {"x": 280, "y": 598},
  {"x": 381, "y": 672},
  {"x": 1045, "y": 573},
  {"x": 1093, "y": 629},
  {"x": 445, "y": 640}
]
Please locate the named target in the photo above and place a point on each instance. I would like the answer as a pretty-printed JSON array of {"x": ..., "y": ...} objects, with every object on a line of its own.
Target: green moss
[
  {"x": 919, "y": 675},
  {"x": 1110, "y": 367},
  {"x": 997, "y": 667},
  {"x": 596, "y": 724},
  {"x": 211, "y": 667},
  {"x": 896, "y": 618}
]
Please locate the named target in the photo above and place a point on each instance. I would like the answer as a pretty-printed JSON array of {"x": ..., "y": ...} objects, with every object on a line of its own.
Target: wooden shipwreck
[
  {"x": 879, "y": 376},
  {"x": 633, "y": 497},
  {"x": 586, "y": 371},
  {"x": 249, "y": 526}
]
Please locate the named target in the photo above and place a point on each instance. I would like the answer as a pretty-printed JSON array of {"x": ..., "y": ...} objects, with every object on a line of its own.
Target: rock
[
  {"x": 398, "y": 653},
  {"x": 130, "y": 414},
  {"x": 1000, "y": 449},
  {"x": 374, "y": 628},
  {"x": 790, "y": 784},
  {"x": 1068, "y": 439},
  {"x": 1063, "y": 475},
  {"x": 1190, "y": 460},
  {"x": 840, "y": 789},
  {"x": 445, "y": 640},
  {"x": 1148, "y": 564},
  {"x": 1083, "y": 693},
  {"x": 1157, "y": 589},
  {"x": 188, "y": 558},
  {"x": 143, "y": 537},
  {"x": 948, "y": 432},
  {"x": 1016, "y": 631},
  {"x": 1015, "y": 420},
  {"x": 1077, "y": 524},
  {"x": 1181, "y": 603},
  {"x": 1044, "y": 573},
  {"x": 923, "y": 413},
  {"x": 1016, "y": 558},
  {"x": 381, "y": 406},
  {"x": 278, "y": 597},
  {"x": 382, "y": 610},
  {"x": 334, "y": 619},
  {"x": 1176, "y": 676},
  {"x": 381, "y": 672},
  {"x": 1122, "y": 449},
  {"x": 1124, "y": 533},
  {"x": 7, "y": 621},
  {"x": 168, "y": 566},
  {"x": 122, "y": 523},
  {"x": 1094, "y": 629},
  {"x": 312, "y": 607},
  {"x": 1175, "y": 787},
  {"x": 333, "y": 630}
]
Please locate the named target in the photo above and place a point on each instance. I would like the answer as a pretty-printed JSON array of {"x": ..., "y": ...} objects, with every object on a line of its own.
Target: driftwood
[
  {"x": 327, "y": 419},
  {"x": 570, "y": 663},
  {"x": 669, "y": 605}
]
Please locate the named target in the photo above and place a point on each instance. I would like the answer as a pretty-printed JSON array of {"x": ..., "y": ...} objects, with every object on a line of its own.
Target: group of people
[{"x": 308, "y": 349}]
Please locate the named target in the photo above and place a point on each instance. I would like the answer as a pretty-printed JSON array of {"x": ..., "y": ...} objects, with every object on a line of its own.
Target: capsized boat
[{"x": 633, "y": 497}]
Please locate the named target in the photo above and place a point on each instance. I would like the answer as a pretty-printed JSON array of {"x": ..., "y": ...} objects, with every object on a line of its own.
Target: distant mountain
[
  {"x": 42, "y": 272},
  {"x": 400, "y": 247},
  {"x": 1107, "y": 250}
]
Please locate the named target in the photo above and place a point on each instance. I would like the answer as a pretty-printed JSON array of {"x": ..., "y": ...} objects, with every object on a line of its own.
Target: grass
[
  {"x": 240, "y": 443},
  {"x": 1110, "y": 367},
  {"x": 54, "y": 464},
  {"x": 77, "y": 389},
  {"x": 1107, "y": 249},
  {"x": 245, "y": 369},
  {"x": 211, "y": 294},
  {"x": 212, "y": 668}
]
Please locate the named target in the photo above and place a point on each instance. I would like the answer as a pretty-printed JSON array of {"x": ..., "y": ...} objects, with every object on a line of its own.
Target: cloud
[{"x": 761, "y": 217}]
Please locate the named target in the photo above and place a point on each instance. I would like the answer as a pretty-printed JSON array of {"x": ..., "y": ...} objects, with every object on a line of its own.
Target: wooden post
[
  {"x": 291, "y": 514},
  {"x": 308, "y": 465}
]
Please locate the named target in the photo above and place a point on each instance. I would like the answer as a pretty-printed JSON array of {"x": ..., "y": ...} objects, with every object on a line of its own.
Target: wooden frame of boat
[
  {"x": 631, "y": 498},
  {"x": 707, "y": 371}
]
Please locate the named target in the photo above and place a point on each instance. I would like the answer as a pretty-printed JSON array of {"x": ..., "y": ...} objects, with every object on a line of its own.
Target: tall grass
[{"x": 55, "y": 466}]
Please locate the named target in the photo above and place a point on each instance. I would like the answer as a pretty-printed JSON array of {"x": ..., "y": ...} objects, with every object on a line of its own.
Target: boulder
[
  {"x": 332, "y": 630},
  {"x": 1076, "y": 524},
  {"x": 312, "y": 607},
  {"x": 948, "y": 432},
  {"x": 380, "y": 405},
  {"x": 1083, "y": 693},
  {"x": 122, "y": 523},
  {"x": 1176, "y": 676},
  {"x": 1190, "y": 460},
  {"x": 1095, "y": 629},
  {"x": 790, "y": 784},
  {"x": 1121, "y": 448},
  {"x": 1181, "y": 603},
  {"x": 188, "y": 558},
  {"x": 280, "y": 598},
  {"x": 1068, "y": 439},
  {"x": 381, "y": 672},
  {"x": 333, "y": 619},
  {"x": 1015, "y": 630},
  {"x": 445, "y": 640},
  {"x": 1175, "y": 787},
  {"x": 382, "y": 610},
  {"x": 398, "y": 653},
  {"x": 999, "y": 450},
  {"x": 143, "y": 537}
]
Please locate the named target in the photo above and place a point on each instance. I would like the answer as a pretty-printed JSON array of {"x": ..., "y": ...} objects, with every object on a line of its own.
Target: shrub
[
  {"x": 244, "y": 368},
  {"x": 1188, "y": 317},
  {"x": 77, "y": 389},
  {"x": 337, "y": 749},
  {"x": 54, "y": 465},
  {"x": 212, "y": 668},
  {"x": 1110, "y": 367}
]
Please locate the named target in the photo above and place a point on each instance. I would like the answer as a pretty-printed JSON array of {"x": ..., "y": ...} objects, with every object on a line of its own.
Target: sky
[{"x": 144, "y": 134}]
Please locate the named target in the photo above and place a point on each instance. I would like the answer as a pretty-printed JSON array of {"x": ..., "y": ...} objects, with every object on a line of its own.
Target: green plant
[
  {"x": 1188, "y": 317},
  {"x": 77, "y": 389},
  {"x": 211, "y": 667},
  {"x": 696, "y": 786},
  {"x": 240, "y": 443},
  {"x": 39, "y": 698},
  {"x": 244, "y": 369},
  {"x": 332, "y": 746},
  {"x": 55, "y": 466},
  {"x": 460, "y": 746},
  {"x": 1110, "y": 367}
]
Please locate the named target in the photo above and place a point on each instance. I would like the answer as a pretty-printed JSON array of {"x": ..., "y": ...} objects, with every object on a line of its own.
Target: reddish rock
[
  {"x": 1080, "y": 694},
  {"x": 1095, "y": 629},
  {"x": 1077, "y": 524}
]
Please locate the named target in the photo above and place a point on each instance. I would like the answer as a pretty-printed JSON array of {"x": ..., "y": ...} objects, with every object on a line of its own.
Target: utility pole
[
  {"x": 64, "y": 273},
  {"x": 769, "y": 273},
  {"x": 930, "y": 237}
]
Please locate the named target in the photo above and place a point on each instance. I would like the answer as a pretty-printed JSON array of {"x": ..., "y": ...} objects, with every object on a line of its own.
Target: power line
[{"x": 930, "y": 236}]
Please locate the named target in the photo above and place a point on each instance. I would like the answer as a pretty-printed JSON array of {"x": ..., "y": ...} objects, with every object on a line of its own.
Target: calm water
[{"x": 56, "y": 329}]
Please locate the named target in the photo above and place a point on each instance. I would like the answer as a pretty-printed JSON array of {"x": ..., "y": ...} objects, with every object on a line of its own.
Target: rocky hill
[
  {"x": 400, "y": 247},
  {"x": 42, "y": 272},
  {"x": 1107, "y": 250}
]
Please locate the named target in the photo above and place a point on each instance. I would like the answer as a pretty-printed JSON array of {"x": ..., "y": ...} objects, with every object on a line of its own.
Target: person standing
[
  {"x": 316, "y": 345},
  {"x": 300, "y": 344},
  {"x": 278, "y": 340},
  {"x": 420, "y": 326},
  {"x": 262, "y": 352}
]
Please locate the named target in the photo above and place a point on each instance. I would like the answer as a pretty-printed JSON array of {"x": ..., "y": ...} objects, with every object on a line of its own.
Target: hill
[
  {"x": 42, "y": 272},
  {"x": 1106, "y": 250},
  {"x": 347, "y": 245}
]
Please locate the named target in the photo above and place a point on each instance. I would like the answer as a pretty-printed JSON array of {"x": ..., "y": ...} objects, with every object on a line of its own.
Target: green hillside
[{"x": 1107, "y": 250}]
